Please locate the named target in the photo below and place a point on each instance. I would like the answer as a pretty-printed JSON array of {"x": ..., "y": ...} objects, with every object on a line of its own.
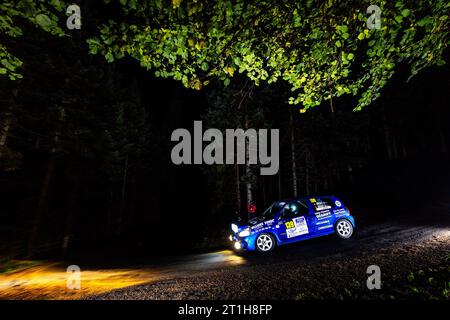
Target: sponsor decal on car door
[
  {"x": 323, "y": 214},
  {"x": 296, "y": 227}
]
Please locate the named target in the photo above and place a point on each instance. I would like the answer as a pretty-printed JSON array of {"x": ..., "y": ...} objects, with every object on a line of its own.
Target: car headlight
[
  {"x": 244, "y": 233},
  {"x": 234, "y": 228}
]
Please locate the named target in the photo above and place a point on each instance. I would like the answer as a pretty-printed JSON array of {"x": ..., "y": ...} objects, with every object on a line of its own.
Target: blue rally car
[{"x": 292, "y": 221}]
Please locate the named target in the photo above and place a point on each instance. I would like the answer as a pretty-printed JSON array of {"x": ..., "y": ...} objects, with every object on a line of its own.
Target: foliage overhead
[
  {"x": 44, "y": 14},
  {"x": 323, "y": 49}
]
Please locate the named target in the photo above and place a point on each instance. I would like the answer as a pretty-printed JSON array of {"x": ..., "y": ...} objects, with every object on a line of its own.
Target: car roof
[{"x": 305, "y": 198}]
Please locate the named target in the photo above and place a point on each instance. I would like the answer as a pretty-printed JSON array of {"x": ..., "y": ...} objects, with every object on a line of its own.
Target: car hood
[
  {"x": 255, "y": 223},
  {"x": 259, "y": 223}
]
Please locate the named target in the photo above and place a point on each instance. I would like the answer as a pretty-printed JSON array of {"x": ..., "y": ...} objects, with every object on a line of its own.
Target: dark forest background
[{"x": 85, "y": 154}]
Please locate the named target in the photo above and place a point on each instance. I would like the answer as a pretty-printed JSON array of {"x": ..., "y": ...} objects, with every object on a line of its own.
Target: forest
[{"x": 87, "y": 114}]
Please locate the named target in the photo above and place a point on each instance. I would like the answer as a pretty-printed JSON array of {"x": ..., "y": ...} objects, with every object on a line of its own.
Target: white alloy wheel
[
  {"x": 265, "y": 242},
  {"x": 344, "y": 229}
]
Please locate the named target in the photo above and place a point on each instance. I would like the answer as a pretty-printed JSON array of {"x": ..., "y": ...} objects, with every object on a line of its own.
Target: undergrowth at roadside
[
  {"x": 425, "y": 284},
  {"x": 10, "y": 266}
]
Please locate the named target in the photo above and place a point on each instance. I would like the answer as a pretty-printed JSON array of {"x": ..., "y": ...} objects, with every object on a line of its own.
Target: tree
[
  {"x": 323, "y": 49},
  {"x": 76, "y": 120},
  {"x": 237, "y": 106},
  {"x": 43, "y": 14}
]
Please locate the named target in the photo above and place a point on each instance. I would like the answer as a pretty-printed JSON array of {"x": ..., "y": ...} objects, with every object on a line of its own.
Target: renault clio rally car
[{"x": 294, "y": 220}]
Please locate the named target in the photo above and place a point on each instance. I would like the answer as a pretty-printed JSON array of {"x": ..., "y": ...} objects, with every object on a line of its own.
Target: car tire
[
  {"x": 344, "y": 229},
  {"x": 265, "y": 242}
]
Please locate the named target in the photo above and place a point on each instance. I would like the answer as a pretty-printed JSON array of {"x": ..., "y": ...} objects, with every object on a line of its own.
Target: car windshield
[{"x": 273, "y": 209}]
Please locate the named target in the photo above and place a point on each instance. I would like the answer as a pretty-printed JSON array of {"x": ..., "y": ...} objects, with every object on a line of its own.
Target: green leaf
[
  {"x": 132, "y": 4},
  {"x": 15, "y": 32},
  {"x": 361, "y": 36},
  {"x": 3, "y": 71},
  {"x": 204, "y": 66},
  {"x": 424, "y": 21},
  {"x": 108, "y": 41},
  {"x": 57, "y": 4},
  {"x": 43, "y": 21},
  {"x": 342, "y": 28},
  {"x": 109, "y": 57},
  {"x": 405, "y": 12},
  {"x": 440, "y": 62}
]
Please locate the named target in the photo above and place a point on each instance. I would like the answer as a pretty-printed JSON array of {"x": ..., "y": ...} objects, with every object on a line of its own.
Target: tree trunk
[
  {"x": 394, "y": 147},
  {"x": 109, "y": 224},
  {"x": 331, "y": 104},
  {"x": 123, "y": 196},
  {"x": 248, "y": 186},
  {"x": 264, "y": 190},
  {"x": 69, "y": 218},
  {"x": 45, "y": 188},
  {"x": 132, "y": 197},
  {"x": 248, "y": 173},
  {"x": 5, "y": 131},
  {"x": 238, "y": 189},
  {"x": 40, "y": 206},
  {"x": 307, "y": 173},
  {"x": 404, "y": 149},
  {"x": 442, "y": 142},
  {"x": 280, "y": 193},
  {"x": 293, "y": 155},
  {"x": 387, "y": 134}
]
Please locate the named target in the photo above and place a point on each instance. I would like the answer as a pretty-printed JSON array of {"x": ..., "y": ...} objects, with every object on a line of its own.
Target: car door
[
  {"x": 322, "y": 210},
  {"x": 296, "y": 221}
]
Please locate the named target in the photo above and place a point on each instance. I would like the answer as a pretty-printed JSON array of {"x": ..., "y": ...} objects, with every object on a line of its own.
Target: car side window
[
  {"x": 295, "y": 209},
  {"x": 320, "y": 204}
]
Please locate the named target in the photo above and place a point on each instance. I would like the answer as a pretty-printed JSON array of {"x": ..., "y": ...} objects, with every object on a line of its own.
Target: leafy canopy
[
  {"x": 323, "y": 49},
  {"x": 44, "y": 14}
]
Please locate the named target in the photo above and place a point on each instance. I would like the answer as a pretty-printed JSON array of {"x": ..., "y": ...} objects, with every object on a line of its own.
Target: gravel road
[{"x": 307, "y": 267}]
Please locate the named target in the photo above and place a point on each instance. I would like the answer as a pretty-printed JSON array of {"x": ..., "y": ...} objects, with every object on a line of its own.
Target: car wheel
[
  {"x": 265, "y": 242},
  {"x": 344, "y": 229}
]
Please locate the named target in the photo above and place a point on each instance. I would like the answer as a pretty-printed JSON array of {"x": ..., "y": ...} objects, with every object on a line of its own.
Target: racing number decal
[
  {"x": 289, "y": 224},
  {"x": 296, "y": 227}
]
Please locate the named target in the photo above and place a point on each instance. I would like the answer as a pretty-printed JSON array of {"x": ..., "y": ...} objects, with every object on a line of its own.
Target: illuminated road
[
  {"x": 312, "y": 266},
  {"x": 211, "y": 275},
  {"x": 49, "y": 280}
]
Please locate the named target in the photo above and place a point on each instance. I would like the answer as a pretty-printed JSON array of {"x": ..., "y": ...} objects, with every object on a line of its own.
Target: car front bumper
[{"x": 243, "y": 244}]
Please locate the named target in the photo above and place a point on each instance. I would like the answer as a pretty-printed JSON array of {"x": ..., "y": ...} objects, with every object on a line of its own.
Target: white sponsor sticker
[
  {"x": 323, "y": 214},
  {"x": 257, "y": 226},
  {"x": 300, "y": 228},
  {"x": 338, "y": 203},
  {"x": 340, "y": 212},
  {"x": 322, "y": 206}
]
